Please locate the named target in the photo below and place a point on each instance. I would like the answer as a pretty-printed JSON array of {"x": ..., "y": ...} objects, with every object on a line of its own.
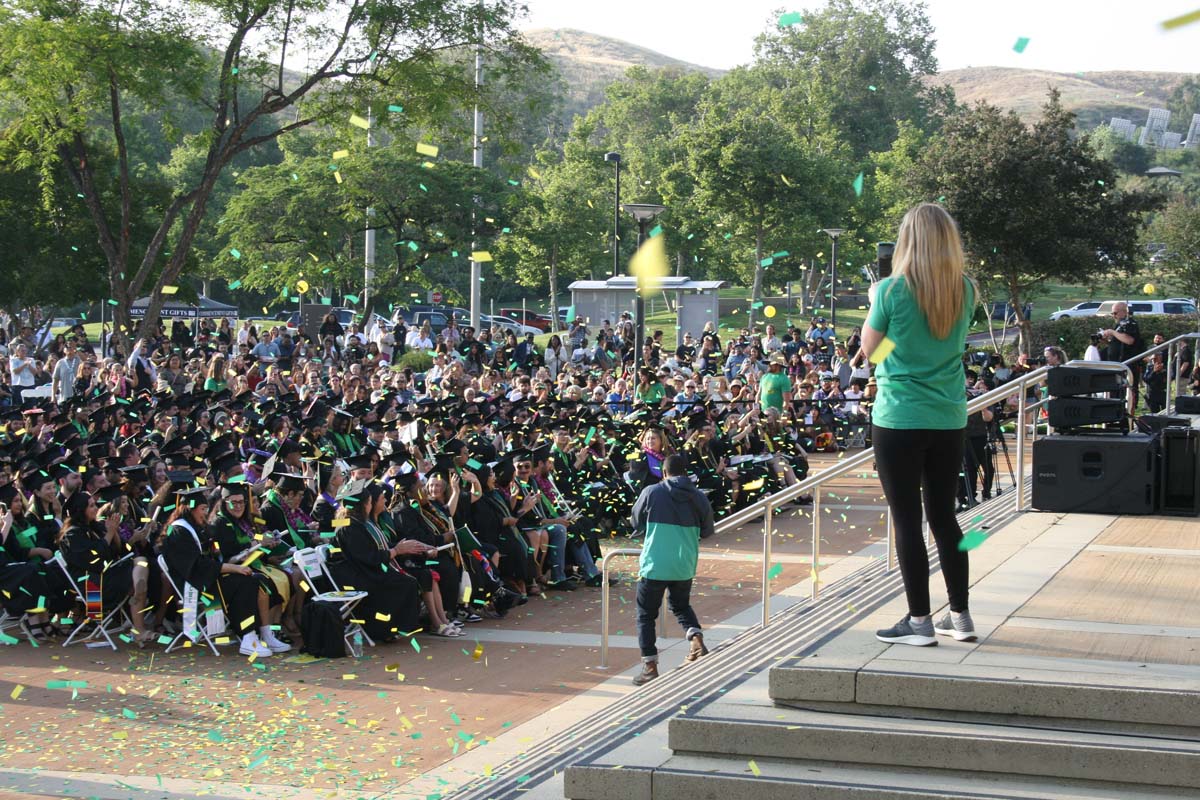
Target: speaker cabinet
[
  {"x": 1099, "y": 474},
  {"x": 1067, "y": 381},
  {"x": 1187, "y": 404},
  {"x": 1073, "y": 412},
  {"x": 1180, "y": 472},
  {"x": 1157, "y": 422}
]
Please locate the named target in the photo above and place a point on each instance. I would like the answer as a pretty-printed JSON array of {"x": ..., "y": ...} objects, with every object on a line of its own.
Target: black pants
[
  {"x": 649, "y": 601},
  {"x": 909, "y": 461},
  {"x": 977, "y": 460}
]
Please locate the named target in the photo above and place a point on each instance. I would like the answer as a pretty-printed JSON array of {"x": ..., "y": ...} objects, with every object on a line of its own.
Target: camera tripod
[{"x": 972, "y": 465}]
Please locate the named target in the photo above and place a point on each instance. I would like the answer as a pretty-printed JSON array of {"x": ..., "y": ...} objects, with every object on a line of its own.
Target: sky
[{"x": 1064, "y": 35}]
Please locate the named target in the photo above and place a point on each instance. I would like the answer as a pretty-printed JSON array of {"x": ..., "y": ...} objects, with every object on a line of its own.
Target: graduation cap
[
  {"x": 443, "y": 464},
  {"x": 191, "y": 496},
  {"x": 353, "y": 492},
  {"x": 504, "y": 469},
  {"x": 287, "y": 482},
  {"x": 109, "y": 494},
  {"x": 226, "y": 462},
  {"x": 34, "y": 479},
  {"x": 407, "y": 480},
  {"x": 233, "y": 488},
  {"x": 177, "y": 460},
  {"x": 540, "y": 454},
  {"x": 362, "y": 459}
]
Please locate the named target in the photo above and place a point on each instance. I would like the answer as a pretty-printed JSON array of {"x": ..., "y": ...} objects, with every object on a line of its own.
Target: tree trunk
[
  {"x": 756, "y": 290},
  {"x": 554, "y": 288},
  {"x": 1025, "y": 327}
]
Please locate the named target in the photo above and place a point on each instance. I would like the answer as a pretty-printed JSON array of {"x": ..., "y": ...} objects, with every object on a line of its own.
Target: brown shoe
[
  {"x": 649, "y": 673},
  {"x": 698, "y": 648}
]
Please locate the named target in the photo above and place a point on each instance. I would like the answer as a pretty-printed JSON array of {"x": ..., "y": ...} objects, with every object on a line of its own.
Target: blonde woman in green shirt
[{"x": 923, "y": 311}]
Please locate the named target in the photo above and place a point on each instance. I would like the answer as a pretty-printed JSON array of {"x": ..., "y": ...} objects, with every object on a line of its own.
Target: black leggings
[{"x": 909, "y": 460}]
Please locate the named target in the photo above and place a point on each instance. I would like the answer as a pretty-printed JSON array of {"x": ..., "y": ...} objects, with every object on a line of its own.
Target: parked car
[
  {"x": 344, "y": 316},
  {"x": 507, "y": 324},
  {"x": 1004, "y": 312},
  {"x": 539, "y": 321},
  {"x": 1085, "y": 309},
  {"x": 407, "y": 313},
  {"x": 63, "y": 322},
  {"x": 1175, "y": 306}
]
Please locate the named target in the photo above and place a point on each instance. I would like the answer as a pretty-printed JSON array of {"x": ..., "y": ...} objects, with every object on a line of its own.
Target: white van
[{"x": 1143, "y": 307}]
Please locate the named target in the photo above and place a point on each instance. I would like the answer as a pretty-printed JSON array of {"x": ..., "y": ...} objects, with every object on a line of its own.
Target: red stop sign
[{"x": 437, "y": 297}]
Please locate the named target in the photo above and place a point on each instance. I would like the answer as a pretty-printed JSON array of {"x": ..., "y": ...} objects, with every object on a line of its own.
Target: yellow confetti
[
  {"x": 427, "y": 149},
  {"x": 247, "y": 623},
  {"x": 753, "y": 486},
  {"x": 1180, "y": 21},
  {"x": 340, "y": 523},
  {"x": 349, "y": 676},
  {"x": 481, "y": 256},
  {"x": 379, "y": 615},
  {"x": 341, "y": 154},
  {"x": 337, "y": 176},
  {"x": 754, "y": 768},
  {"x": 16, "y": 692},
  {"x": 170, "y": 289},
  {"x": 533, "y": 173},
  {"x": 883, "y": 350},
  {"x": 355, "y": 119},
  {"x": 650, "y": 263}
]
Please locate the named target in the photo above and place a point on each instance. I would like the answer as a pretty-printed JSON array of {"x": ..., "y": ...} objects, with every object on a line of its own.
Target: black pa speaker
[
  {"x": 1157, "y": 422},
  {"x": 1180, "y": 482},
  {"x": 1099, "y": 474},
  {"x": 1066, "y": 381},
  {"x": 1187, "y": 404},
  {"x": 1072, "y": 412}
]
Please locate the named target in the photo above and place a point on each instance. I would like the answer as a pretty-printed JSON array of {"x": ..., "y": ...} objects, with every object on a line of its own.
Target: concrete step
[
  {"x": 721, "y": 778},
  {"x": 1039, "y": 698},
  {"x": 752, "y": 731}
]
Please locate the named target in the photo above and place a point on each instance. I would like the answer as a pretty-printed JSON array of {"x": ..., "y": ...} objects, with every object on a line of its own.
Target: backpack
[{"x": 323, "y": 630}]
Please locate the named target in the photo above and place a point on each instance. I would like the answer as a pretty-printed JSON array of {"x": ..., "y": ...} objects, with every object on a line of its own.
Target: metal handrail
[
  {"x": 765, "y": 507},
  {"x": 604, "y": 601}
]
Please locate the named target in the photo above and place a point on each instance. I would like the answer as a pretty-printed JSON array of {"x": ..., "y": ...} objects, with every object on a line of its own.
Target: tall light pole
[
  {"x": 615, "y": 158},
  {"x": 477, "y": 160},
  {"x": 834, "y": 233},
  {"x": 643, "y": 213},
  {"x": 369, "y": 243}
]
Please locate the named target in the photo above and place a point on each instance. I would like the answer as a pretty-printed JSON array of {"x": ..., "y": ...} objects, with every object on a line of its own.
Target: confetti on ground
[{"x": 754, "y": 768}]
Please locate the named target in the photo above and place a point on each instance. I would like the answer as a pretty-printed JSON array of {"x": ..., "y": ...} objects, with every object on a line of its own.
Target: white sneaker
[
  {"x": 277, "y": 646},
  {"x": 253, "y": 646}
]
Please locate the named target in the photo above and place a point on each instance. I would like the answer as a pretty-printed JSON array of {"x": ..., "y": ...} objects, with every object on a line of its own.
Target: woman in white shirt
[
  {"x": 554, "y": 356},
  {"x": 420, "y": 338}
]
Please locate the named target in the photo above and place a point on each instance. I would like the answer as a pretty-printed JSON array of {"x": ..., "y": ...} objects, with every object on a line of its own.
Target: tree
[
  {"x": 1178, "y": 229},
  {"x": 761, "y": 182},
  {"x": 1033, "y": 203},
  {"x": 1185, "y": 101},
  {"x": 1129, "y": 157},
  {"x": 72, "y": 67},
  {"x": 862, "y": 64}
]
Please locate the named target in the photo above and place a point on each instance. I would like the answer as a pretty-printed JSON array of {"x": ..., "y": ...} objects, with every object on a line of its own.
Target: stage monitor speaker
[
  {"x": 1099, "y": 474},
  {"x": 1067, "y": 381},
  {"x": 1187, "y": 404},
  {"x": 1180, "y": 472},
  {"x": 1157, "y": 422},
  {"x": 1072, "y": 412}
]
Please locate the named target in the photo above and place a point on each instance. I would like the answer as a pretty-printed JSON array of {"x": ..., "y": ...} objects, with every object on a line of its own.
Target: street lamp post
[
  {"x": 643, "y": 213},
  {"x": 615, "y": 158},
  {"x": 833, "y": 233}
]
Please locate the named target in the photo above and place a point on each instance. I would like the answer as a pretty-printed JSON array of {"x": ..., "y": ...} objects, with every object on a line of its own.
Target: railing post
[
  {"x": 768, "y": 530},
  {"x": 604, "y": 599},
  {"x": 891, "y": 542},
  {"x": 1171, "y": 355},
  {"x": 816, "y": 542},
  {"x": 1020, "y": 487}
]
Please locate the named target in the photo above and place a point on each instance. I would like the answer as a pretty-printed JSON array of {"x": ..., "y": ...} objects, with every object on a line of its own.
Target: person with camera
[
  {"x": 977, "y": 461},
  {"x": 923, "y": 309},
  {"x": 1124, "y": 342}
]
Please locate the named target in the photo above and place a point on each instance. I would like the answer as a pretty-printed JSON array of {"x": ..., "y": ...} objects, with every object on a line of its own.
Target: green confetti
[
  {"x": 655, "y": 231},
  {"x": 775, "y": 572},
  {"x": 235, "y": 253},
  {"x": 858, "y": 185},
  {"x": 415, "y": 644},
  {"x": 971, "y": 540},
  {"x": 791, "y": 18},
  {"x": 1021, "y": 44},
  {"x": 235, "y": 285},
  {"x": 112, "y": 302},
  {"x": 872, "y": 88},
  {"x": 352, "y": 299},
  {"x": 127, "y": 714},
  {"x": 396, "y": 109}
]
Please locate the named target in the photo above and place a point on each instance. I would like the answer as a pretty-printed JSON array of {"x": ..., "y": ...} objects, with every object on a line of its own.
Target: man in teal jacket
[{"x": 675, "y": 516}]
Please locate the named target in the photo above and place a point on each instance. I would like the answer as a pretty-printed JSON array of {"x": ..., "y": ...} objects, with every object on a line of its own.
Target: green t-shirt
[
  {"x": 651, "y": 395},
  {"x": 773, "y": 387},
  {"x": 921, "y": 382}
]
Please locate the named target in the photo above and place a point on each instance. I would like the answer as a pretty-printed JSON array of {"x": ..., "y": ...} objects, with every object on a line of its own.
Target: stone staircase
[{"x": 924, "y": 730}]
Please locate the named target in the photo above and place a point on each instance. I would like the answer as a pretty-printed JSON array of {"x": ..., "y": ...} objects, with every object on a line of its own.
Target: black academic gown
[
  {"x": 487, "y": 523},
  {"x": 411, "y": 524},
  {"x": 393, "y": 601},
  {"x": 231, "y": 541},
  {"x": 200, "y": 565},
  {"x": 88, "y": 552}
]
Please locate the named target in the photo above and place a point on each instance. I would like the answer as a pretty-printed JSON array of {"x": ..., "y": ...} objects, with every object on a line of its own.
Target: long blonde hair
[{"x": 929, "y": 255}]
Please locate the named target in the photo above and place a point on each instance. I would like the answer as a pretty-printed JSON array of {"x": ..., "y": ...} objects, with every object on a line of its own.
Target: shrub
[
  {"x": 417, "y": 360},
  {"x": 1072, "y": 333}
]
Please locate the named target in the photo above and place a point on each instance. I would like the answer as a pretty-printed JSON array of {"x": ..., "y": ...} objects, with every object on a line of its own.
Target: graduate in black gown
[
  {"x": 194, "y": 559},
  {"x": 416, "y": 518},
  {"x": 369, "y": 564}
]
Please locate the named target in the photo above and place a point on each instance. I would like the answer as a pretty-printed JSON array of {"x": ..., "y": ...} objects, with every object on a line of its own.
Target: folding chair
[
  {"x": 201, "y": 624},
  {"x": 103, "y": 625},
  {"x": 313, "y": 562},
  {"x": 15, "y": 623}
]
